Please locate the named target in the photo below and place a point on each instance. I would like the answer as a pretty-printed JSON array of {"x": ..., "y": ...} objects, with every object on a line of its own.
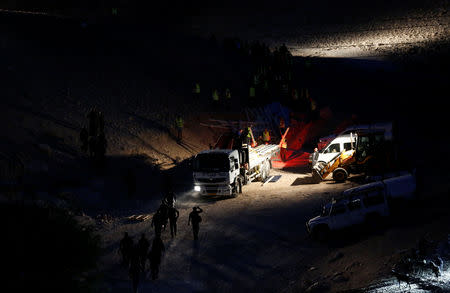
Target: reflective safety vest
[
  {"x": 179, "y": 121},
  {"x": 266, "y": 136},
  {"x": 196, "y": 89},
  {"x": 228, "y": 93},
  {"x": 215, "y": 95},
  {"x": 252, "y": 92}
]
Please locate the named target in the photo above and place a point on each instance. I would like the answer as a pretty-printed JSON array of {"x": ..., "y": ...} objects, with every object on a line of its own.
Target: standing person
[
  {"x": 125, "y": 249},
  {"x": 157, "y": 222},
  {"x": 84, "y": 137},
  {"x": 215, "y": 99},
  {"x": 283, "y": 150},
  {"x": 173, "y": 217},
  {"x": 93, "y": 121},
  {"x": 100, "y": 149},
  {"x": 196, "y": 91},
  {"x": 228, "y": 98},
  {"x": 179, "y": 124},
  {"x": 252, "y": 96},
  {"x": 314, "y": 157},
  {"x": 195, "y": 218},
  {"x": 135, "y": 268},
  {"x": 155, "y": 256},
  {"x": 143, "y": 246},
  {"x": 92, "y": 143},
  {"x": 266, "y": 136},
  {"x": 282, "y": 126}
]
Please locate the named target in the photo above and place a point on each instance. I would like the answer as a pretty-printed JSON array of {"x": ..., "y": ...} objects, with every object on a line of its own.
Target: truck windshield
[{"x": 211, "y": 162}]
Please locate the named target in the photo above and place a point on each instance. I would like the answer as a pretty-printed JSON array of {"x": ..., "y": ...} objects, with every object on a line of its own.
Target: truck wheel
[
  {"x": 340, "y": 175},
  {"x": 237, "y": 188}
]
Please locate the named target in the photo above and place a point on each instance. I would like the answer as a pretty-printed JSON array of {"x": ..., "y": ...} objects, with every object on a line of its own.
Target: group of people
[
  {"x": 92, "y": 137},
  {"x": 135, "y": 255}
]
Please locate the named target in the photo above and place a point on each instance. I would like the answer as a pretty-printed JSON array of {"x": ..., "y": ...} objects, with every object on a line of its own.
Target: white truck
[
  {"x": 225, "y": 171},
  {"x": 367, "y": 203}
]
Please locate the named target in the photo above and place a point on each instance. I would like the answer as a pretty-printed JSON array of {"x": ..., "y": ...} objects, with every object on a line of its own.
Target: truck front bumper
[{"x": 212, "y": 189}]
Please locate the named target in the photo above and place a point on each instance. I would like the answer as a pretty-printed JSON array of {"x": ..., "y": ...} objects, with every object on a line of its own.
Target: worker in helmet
[
  {"x": 179, "y": 122},
  {"x": 266, "y": 136},
  {"x": 283, "y": 149}
]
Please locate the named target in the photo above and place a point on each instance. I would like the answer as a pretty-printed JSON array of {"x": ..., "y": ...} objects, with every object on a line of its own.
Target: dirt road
[{"x": 255, "y": 242}]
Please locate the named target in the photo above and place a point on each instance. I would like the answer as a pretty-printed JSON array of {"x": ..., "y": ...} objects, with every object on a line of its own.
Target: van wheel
[
  {"x": 340, "y": 175},
  {"x": 321, "y": 233}
]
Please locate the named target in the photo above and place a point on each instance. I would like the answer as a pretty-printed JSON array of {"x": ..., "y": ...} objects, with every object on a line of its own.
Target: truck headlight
[{"x": 197, "y": 188}]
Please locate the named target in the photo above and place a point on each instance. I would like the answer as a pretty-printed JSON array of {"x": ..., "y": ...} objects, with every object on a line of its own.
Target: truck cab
[{"x": 217, "y": 172}]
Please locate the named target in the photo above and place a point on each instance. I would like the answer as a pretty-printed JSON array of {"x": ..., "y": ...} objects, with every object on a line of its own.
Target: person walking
[
  {"x": 173, "y": 217},
  {"x": 179, "y": 122},
  {"x": 125, "y": 249},
  {"x": 195, "y": 218},
  {"x": 157, "y": 222},
  {"x": 155, "y": 256},
  {"x": 134, "y": 270},
  {"x": 143, "y": 246}
]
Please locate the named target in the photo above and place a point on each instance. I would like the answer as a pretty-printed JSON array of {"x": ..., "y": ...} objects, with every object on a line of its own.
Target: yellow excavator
[{"x": 373, "y": 153}]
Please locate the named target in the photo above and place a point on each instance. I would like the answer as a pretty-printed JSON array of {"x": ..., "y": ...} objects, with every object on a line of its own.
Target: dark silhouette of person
[
  {"x": 100, "y": 149},
  {"x": 143, "y": 246},
  {"x": 134, "y": 270},
  {"x": 173, "y": 217},
  {"x": 164, "y": 211},
  {"x": 155, "y": 256},
  {"x": 93, "y": 121},
  {"x": 92, "y": 142},
  {"x": 84, "y": 136},
  {"x": 170, "y": 199},
  {"x": 125, "y": 249},
  {"x": 195, "y": 218},
  {"x": 157, "y": 223}
]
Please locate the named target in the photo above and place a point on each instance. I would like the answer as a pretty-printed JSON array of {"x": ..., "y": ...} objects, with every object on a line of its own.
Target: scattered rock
[{"x": 312, "y": 269}]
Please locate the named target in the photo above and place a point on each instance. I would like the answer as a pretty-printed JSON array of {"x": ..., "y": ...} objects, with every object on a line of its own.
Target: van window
[
  {"x": 333, "y": 148},
  {"x": 337, "y": 209}
]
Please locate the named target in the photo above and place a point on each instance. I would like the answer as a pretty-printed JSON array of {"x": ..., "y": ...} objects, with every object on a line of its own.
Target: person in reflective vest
[
  {"x": 283, "y": 150},
  {"x": 179, "y": 123},
  {"x": 196, "y": 91},
  {"x": 215, "y": 98},
  {"x": 266, "y": 136}
]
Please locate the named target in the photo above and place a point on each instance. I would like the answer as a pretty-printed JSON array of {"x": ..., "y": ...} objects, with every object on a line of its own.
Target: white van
[
  {"x": 337, "y": 145},
  {"x": 345, "y": 139}
]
